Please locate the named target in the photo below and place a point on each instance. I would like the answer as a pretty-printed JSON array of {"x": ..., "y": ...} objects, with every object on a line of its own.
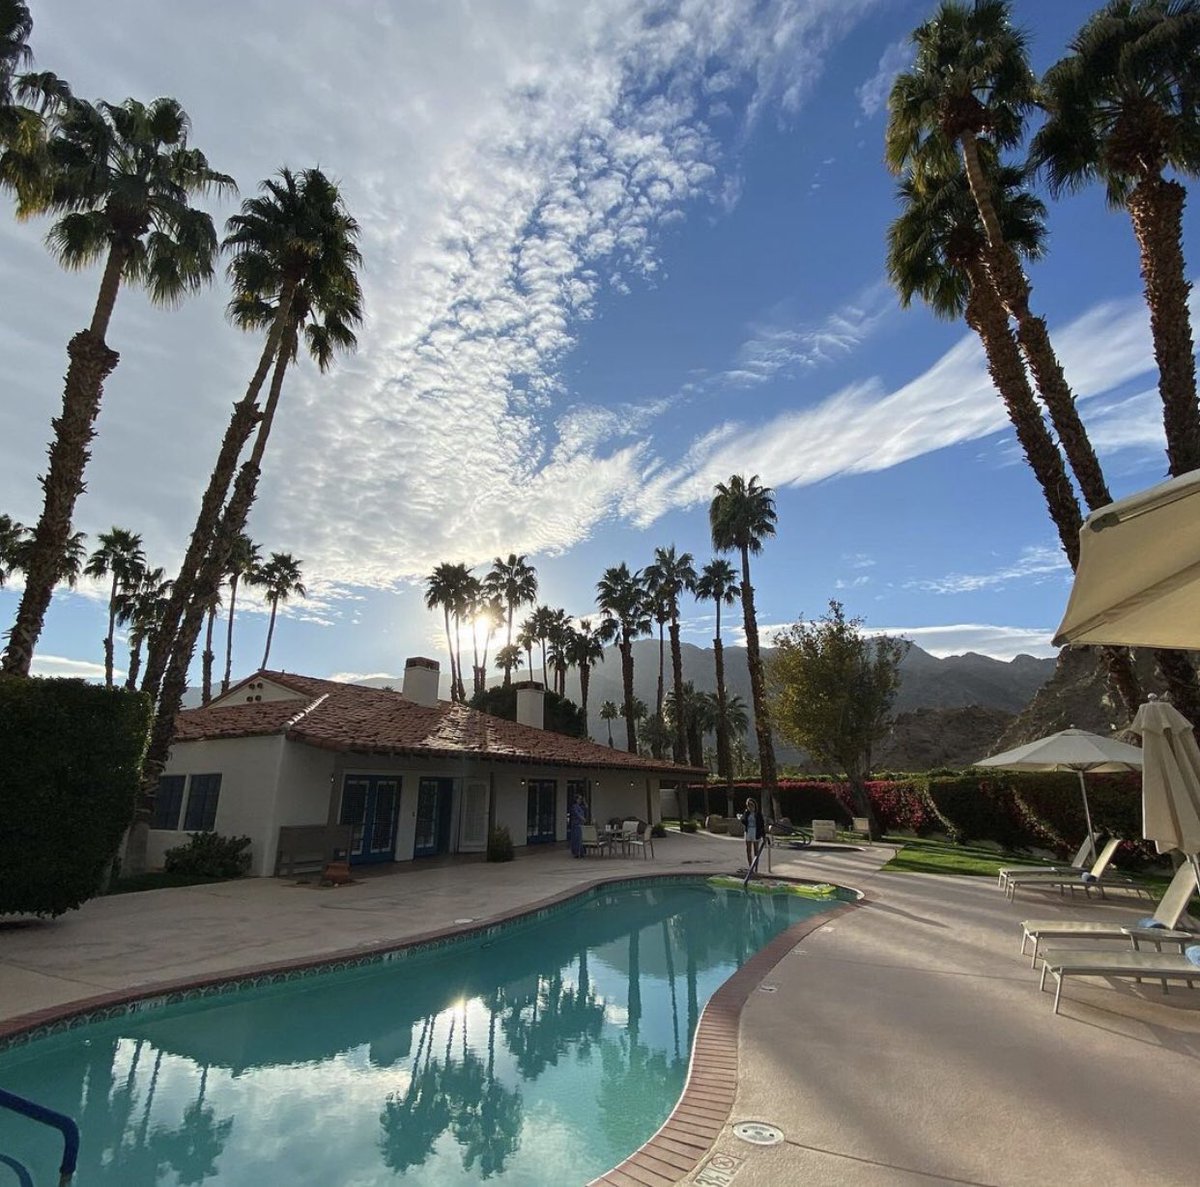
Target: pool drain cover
[{"x": 758, "y": 1133}]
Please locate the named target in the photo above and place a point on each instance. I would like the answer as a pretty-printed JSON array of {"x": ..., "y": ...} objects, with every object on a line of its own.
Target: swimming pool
[{"x": 538, "y": 1056}]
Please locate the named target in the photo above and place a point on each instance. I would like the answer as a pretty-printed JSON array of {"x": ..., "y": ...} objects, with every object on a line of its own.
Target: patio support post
[{"x": 1087, "y": 814}]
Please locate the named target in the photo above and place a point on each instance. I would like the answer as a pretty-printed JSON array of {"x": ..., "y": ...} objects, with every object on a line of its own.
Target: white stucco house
[{"x": 281, "y": 755}]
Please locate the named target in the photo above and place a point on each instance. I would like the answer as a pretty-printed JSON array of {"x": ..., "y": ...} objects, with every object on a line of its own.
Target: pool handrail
[{"x": 44, "y": 1116}]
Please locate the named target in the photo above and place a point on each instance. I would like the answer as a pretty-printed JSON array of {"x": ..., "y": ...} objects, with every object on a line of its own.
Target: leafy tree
[
  {"x": 741, "y": 516},
  {"x": 718, "y": 584},
  {"x": 622, "y": 599},
  {"x": 280, "y": 578},
  {"x": 832, "y": 690},
  {"x": 968, "y": 94},
  {"x": 122, "y": 177},
  {"x": 609, "y": 713},
  {"x": 514, "y": 582},
  {"x": 667, "y": 578},
  {"x": 1122, "y": 108},
  {"x": 120, "y": 557},
  {"x": 560, "y": 716},
  {"x": 244, "y": 559}
]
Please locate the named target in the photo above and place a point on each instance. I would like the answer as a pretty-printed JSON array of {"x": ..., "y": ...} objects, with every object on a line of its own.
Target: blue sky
[{"x": 613, "y": 254}]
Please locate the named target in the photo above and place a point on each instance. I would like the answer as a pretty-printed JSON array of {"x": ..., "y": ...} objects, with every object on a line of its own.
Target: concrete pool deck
[{"x": 903, "y": 1042}]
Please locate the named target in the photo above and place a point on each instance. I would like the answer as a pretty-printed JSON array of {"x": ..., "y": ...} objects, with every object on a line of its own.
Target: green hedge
[{"x": 70, "y": 756}]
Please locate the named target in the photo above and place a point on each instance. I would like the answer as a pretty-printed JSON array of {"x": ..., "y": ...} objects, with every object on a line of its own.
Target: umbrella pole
[{"x": 1087, "y": 815}]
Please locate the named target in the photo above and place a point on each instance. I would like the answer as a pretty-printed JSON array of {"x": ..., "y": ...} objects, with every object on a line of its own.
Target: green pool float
[{"x": 774, "y": 886}]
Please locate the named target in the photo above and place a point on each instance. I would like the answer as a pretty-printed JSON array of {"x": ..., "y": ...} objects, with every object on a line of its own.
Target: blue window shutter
[{"x": 203, "y": 794}]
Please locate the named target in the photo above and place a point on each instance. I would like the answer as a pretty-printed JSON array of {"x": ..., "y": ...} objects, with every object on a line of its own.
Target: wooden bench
[{"x": 307, "y": 848}]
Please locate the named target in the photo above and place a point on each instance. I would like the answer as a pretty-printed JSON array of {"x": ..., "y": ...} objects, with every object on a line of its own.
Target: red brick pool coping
[{"x": 686, "y": 1136}]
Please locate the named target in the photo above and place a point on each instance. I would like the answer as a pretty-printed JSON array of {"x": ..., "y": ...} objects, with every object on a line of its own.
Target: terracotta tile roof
[{"x": 337, "y": 716}]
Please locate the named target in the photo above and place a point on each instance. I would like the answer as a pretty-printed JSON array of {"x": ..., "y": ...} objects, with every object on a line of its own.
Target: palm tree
[
  {"x": 558, "y": 640},
  {"x": 937, "y": 251},
  {"x": 742, "y": 515},
  {"x": 586, "y": 651},
  {"x": 470, "y": 595},
  {"x": 514, "y": 583},
  {"x": 443, "y": 588},
  {"x": 609, "y": 712},
  {"x": 509, "y": 658},
  {"x": 11, "y": 535},
  {"x": 968, "y": 93},
  {"x": 120, "y": 556},
  {"x": 718, "y": 584},
  {"x": 488, "y": 611},
  {"x": 122, "y": 178},
  {"x": 323, "y": 306},
  {"x": 540, "y": 623},
  {"x": 207, "y": 656},
  {"x": 26, "y": 98},
  {"x": 244, "y": 559},
  {"x": 655, "y": 734},
  {"x": 668, "y": 577},
  {"x": 622, "y": 599},
  {"x": 142, "y": 609},
  {"x": 1121, "y": 109},
  {"x": 526, "y": 638},
  {"x": 70, "y": 564},
  {"x": 281, "y": 578},
  {"x": 294, "y": 261}
]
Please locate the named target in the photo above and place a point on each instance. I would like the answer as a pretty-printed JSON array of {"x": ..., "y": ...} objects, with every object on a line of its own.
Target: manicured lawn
[
  {"x": 923, "y": 856},
  {"x": 158, "y": 880}
]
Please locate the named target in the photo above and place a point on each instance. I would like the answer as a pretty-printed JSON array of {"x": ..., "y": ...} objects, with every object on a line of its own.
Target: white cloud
[
  {"x": 999, "y": 642},
  {"x": 873, "y": 94},
  {"x": 58, "y": 665},
  {"x": 1034, "y": 564}
]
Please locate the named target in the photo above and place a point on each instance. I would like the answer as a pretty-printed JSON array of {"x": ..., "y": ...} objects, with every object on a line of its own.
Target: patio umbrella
[
  {"x": 1138, "y": 580},
  {"x": 1070, "y": 750},
  {"x": 1170, "y": 779}
]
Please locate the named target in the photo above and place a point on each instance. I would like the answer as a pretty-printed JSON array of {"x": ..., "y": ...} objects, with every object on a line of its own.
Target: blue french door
[
  {"x": 371, "y": 803},
  {"x": 541, "y": 814},
  {"x": 435, "y": 800}
]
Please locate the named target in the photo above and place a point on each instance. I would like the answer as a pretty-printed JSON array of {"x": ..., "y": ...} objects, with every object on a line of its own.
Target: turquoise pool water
[{"x": 539, "y": 1057}]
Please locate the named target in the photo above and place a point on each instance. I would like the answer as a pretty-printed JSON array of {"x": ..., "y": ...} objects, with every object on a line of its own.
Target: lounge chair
[
  {"x": 1159, "y": 928},
  {"x": 1154, "y": 966},
  {"x": 1097, "y": 878},
  {"x": 1076, "y": 865}
]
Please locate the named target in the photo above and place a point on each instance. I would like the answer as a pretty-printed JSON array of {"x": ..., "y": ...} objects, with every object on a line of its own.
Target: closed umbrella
[
  {"x": 1138, "y": 580},
  {"x": 1070, "y": 750},
  {"x": 1170, "y": 779}
]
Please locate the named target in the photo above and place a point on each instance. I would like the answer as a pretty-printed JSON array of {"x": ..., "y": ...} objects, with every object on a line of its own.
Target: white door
[{"x": 474, "y": 819}]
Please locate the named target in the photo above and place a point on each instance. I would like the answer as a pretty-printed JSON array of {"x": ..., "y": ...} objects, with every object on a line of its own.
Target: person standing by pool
[
  {"x": 575, "y": 832},
  {"x": 756, "y": 830}
]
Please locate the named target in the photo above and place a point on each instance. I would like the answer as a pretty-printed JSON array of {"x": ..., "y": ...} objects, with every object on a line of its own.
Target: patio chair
[
  {"x": 593, "y": 841},
  {"x": 1158, "y": 928},
  {"x": 1076, "y": 865},
  {"x": 1138, "y": 966},
  {"x": 639, "y": 837},
  {"x": 1097, "y": 878}
]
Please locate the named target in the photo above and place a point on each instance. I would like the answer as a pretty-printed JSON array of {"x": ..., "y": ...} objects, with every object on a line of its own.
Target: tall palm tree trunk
[
  {"x": 762, "y": 720},
  {"x": 233, "y": 584},
  {"x": 662, "y": 664},
  {"x": 681, "y": 738},
  {"x": 627, "y": 682},
  {"x": 508, "y": 644},
  {"x": 135, "y": 664},
  {"x": 270, "y": 630},
  {"x": 91, "y": 364},
  {"x": 724, "y": 759},
  {"x": 585, "y": 677},
  {"x": 985, "y": 314},
  {"x": 206, "y": 659},
  {"x": 237, "y": 433},
  {"x": 462, "y": 692},
  {"x": 112, "y": 630},
  {"x": 1156, "y": 209},
  {"x": 1034, "y": 338},
  {"x": 450, "y": 649}
]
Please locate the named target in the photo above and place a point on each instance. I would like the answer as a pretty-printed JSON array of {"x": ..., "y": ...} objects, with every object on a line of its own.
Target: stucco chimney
[
  {"x": 531, "y": 704},
  {"x": 421, "y": 680}
]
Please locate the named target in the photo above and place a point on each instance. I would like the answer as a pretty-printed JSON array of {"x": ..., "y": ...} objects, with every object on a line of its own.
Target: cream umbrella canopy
[
  {"x": 1138, "y": 580},
  {"x": 1070, "y": 750},
  {"x": 1170, "y": 779}
]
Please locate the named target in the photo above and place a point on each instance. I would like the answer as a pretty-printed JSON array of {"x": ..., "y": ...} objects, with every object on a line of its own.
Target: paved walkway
[{"x": 904, "y": 1043}]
